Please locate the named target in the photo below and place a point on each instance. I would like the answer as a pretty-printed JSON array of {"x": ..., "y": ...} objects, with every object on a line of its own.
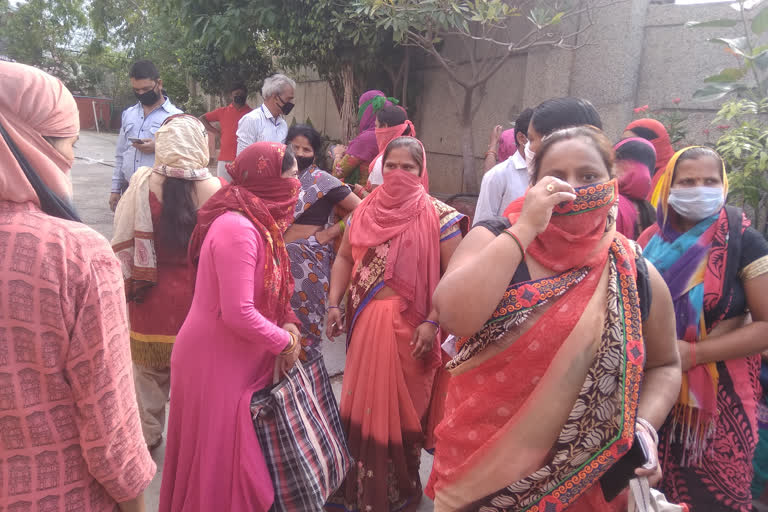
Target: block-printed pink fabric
[{"x": 70, "y": 438}]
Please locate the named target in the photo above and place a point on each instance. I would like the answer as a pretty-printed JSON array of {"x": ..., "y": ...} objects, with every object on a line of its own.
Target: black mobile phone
[
  {"x": 617, "y": 478},
  {"x": 136, "y": 141}
]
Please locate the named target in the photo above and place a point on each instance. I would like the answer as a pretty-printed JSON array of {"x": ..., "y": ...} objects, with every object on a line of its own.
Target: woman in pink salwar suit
[{"x": 231, "y": 340}]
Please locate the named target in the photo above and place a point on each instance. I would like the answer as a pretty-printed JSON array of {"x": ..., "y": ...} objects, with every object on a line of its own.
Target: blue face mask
[{"x": 696, "y": 203}]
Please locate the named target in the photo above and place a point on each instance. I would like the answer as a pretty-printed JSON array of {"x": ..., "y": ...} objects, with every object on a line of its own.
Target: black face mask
[
  {"x": 148, "y": 98},
  {"x": 239, "y": 100},
  {"x": 287, "y": 106},
  {"x": 302, "y": 162}
]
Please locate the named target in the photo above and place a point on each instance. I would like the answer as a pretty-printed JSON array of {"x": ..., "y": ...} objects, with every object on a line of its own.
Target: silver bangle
[{"x": 647, "y": 425}]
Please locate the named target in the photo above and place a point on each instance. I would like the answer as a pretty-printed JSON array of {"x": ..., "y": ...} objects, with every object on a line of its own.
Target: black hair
[
  {"x": 559, "y": 113},
  {"x": 646, "y": 215},
  {"x": 413, "y": 145},
  {"x": 179, "y": 215},
  {"x": 304, "y": 130},
  {"x": 522, "y": 122},
  {"x": 644, "y": 133},
  {"x": 288, "y": 159},
  {"x": 392, "y": 115},
  {"x": 238, "y": 86},
  {"x": 144, "y": 69},
  {"x": 700, "y": 152},
  {"x": 639, "y": 152},
  {"x": 594, "y": 135}
]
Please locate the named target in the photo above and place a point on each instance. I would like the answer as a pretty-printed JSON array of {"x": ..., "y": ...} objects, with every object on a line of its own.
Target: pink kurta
[
  {"x": 224, "y": 352},
  {"x": 69, "y": 425}
]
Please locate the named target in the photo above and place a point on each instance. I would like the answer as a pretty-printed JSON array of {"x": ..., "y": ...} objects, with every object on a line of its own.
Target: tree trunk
[
  {"x": 471, "y": 179},
  {"x": 406, "y": 72},
  {"x": 348, "y": 107}
]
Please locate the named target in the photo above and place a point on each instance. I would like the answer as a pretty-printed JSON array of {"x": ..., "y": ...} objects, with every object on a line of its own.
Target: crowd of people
[{"x": 605, "y": 300}]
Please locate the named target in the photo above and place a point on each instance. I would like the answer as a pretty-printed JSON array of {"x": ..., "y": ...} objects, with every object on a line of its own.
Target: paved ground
[{"x": 91, "y": 178}]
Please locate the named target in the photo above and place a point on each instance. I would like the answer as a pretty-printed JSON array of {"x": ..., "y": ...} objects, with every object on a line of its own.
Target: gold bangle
[{"x": 291, "y": 346}]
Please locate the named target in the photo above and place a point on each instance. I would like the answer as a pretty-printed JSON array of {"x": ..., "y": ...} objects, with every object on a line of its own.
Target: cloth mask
[
  {"x": 696, "y": 203},
  {"x": 529, "y": 157},
  {"x": 287, "y": 107},
  {"x": 302, "y": 162},
  {"x": 148, "y": 98}
]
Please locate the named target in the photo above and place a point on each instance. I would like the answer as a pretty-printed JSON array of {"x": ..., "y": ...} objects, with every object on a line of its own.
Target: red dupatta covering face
[
  {"x": 400, "y": 212},
  {"x": 267, "y": 200},
  {"x": 508, "y": 378},
  {"x": 575, "y": 235}
]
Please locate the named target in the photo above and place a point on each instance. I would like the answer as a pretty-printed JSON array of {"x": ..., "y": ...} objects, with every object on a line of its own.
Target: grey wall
[{"x": 635, "y": 54}]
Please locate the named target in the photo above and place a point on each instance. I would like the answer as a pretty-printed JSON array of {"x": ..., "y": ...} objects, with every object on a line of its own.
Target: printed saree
[
  {"x": 386, "y": 391},
  {"x": 484, "y": 457},
  {"x": 311, "y": 261}
]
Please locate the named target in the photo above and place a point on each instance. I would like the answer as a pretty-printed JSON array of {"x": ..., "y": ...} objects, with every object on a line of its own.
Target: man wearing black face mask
[
  {"x": 228, "y": 117},
  {"x": 136, "y": 143},
  {"x": 267, "y": 123}
]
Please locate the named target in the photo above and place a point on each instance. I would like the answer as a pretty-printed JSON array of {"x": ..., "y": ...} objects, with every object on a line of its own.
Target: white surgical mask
[
  {"x": 696, "y": 203},
  {"x": 529, "y": 156}
]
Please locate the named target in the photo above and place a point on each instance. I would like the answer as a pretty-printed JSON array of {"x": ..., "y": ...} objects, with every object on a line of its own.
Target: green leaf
[
  {"x": 760, "y": 21},
  {"x": 738, "y": 44},
  {"x": 713, "y": 23},
  {"x": 727, "y": 75},
  {"x": 714, "y": 91}
]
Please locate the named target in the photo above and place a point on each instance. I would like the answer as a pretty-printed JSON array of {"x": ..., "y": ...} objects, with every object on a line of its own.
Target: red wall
[{"x": 103, "y": 111}]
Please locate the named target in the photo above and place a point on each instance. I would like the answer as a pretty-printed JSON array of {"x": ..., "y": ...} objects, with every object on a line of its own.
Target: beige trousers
[{"x": 153, "y": 387}]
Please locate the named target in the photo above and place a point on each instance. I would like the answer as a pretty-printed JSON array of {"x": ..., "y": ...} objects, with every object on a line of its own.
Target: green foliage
[
  {"x": 217, "y": 72},
  {"x": 744, "y": 147},
  {"x": 749, "y": 78}
]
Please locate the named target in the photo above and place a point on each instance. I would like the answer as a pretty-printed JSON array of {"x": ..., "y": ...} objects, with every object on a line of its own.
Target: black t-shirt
[
  {"x": 522, "y": 274},
  {"x": 753, "y": 247},
  {"x": 318, "y": 213}
]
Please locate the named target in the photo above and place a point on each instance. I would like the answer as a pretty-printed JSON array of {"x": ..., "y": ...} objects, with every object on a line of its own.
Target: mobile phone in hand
[{"x": 136, "y": 141}]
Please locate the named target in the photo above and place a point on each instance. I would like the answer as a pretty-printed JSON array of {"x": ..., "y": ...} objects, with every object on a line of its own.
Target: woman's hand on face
[
  {"x": 333, "y": 324},
  {"x": 541, "y": 199},
  {"x": 423, "y": 340}
]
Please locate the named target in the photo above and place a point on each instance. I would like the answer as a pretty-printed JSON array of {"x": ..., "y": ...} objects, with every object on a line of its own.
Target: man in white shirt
[
  {"x": 508, "y": 180},
  {"x": 267, "y": 123}
]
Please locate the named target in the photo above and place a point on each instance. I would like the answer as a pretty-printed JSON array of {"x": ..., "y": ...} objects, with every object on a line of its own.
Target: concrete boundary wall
[{"x": 637, "y": 54}]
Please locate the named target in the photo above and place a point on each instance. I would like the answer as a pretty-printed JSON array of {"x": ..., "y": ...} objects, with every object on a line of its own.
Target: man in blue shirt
[{"x": 136, "y": 143}]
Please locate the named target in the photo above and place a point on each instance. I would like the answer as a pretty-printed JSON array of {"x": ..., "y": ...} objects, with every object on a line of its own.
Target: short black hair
[
  {"x": 522, "y": 122},
  {"x": 392, "y": 115},
  {"x": 144, "y": 70},
  {"x": 558, "y": 113},
  {"x": 238, "y": 86},
  {"x": 288, "y": 159},
  {"x": 644, "y": 133},
  {"x": 304, "y": 130}
]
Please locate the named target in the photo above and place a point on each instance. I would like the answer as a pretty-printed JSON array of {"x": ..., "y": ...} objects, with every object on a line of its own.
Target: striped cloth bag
[{"x": 299, "y": 429}]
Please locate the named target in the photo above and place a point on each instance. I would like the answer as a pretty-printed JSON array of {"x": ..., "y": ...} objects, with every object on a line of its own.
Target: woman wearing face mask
[
  {"x": 239, "y": 327},
  {"x": 717, "y": 270},
  {"x": 399, "y": 241},
  {"x": 351, "y": 163},
  {"x": 66, "y": 389},
  {"x": 561, "y": 323},
  {"x": 310, "y": 238},
  {"x": 635, "y": 160}
]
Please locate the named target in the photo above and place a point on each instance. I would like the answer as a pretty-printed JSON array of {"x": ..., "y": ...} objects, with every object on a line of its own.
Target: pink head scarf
[
  {"x": 34, "y": 104},
  {"x": 400, "y": 211},
  {"x": 507, "y": 145}
]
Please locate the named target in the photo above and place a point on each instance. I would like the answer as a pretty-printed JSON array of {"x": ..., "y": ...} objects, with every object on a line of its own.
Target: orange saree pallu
[{"x": 542, "y": 400}]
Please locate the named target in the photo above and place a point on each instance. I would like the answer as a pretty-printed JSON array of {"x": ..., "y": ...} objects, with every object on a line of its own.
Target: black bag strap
[{"x": 50, "y": 203}]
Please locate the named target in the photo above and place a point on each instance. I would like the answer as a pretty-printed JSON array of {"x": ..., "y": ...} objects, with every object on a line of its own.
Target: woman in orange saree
[
  {"x": 559, "y": 332},
  {"x": 399, "y": 241}
]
